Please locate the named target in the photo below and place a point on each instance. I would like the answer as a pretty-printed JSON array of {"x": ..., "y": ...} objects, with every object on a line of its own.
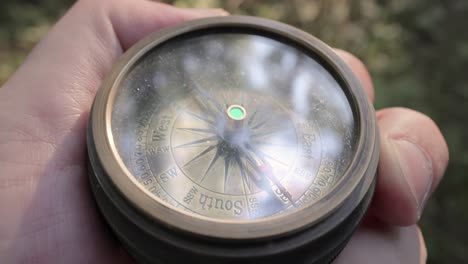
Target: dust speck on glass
[{"x": 233, "y": 126}]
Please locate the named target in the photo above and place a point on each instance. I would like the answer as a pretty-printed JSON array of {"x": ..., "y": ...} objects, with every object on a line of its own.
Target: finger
[
  {"x": 152, "y": 17},
  {"x": 360, "y": 70},
  {"x": 413, "y": 159},
  {"x": 385, "y": 245}
]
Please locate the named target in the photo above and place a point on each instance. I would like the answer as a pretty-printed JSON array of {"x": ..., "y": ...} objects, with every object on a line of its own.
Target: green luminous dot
[{"x": 236, "y": 112}]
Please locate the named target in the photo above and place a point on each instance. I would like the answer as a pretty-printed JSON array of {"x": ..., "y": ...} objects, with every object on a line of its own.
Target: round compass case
[{"x": 232, "y": 140}]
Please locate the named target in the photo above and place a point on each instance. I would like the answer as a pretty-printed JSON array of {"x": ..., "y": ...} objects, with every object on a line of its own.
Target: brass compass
[{"x": 232, "y": 140}]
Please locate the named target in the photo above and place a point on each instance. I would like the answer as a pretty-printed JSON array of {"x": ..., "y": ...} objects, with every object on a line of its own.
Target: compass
[{"x": 232, "y": 140}]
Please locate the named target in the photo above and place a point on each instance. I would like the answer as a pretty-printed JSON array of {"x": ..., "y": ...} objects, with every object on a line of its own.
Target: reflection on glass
[{"x": 233, "y": 126}]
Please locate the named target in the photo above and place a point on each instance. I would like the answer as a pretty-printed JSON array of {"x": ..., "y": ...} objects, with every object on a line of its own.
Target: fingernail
[
  {"x": 206, "y": 12},
  {"x": 416, "y": 169}
]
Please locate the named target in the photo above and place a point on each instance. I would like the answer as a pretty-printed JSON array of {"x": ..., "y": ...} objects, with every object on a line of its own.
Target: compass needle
[
  {"x": 245, "y": 181},
  {"x": 201, "y": 154},
  {"x": 212, "y": 162},
  {"x": 259, "y": 124},
  {"x": 200, "y": 117},
  {"x": 200, "y": 130},
  {"x": 252, "y": 118},
  {"x": 206, "y": 140},
  {"x": 227, "y": 161}
]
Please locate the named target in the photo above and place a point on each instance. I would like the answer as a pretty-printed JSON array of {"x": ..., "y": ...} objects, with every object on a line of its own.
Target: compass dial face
[{"x": 233, "y": 126}]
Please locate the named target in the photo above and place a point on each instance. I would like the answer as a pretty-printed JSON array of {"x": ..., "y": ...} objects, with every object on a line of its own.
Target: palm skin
[{"x": 48, "y": 213}]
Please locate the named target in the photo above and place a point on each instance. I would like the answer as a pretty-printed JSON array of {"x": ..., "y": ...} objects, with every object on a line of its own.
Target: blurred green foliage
[{"x": 417, "y": 53}]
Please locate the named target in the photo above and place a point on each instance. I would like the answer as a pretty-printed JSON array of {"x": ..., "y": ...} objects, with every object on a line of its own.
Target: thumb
[{"x": 57, "y": 82}]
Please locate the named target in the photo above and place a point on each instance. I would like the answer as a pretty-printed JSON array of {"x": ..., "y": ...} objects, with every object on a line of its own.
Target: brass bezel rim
[{"x": 255, "y": 229}]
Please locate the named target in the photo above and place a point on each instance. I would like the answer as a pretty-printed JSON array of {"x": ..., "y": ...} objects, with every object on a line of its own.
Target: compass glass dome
[{"x": 233, "y": 126}]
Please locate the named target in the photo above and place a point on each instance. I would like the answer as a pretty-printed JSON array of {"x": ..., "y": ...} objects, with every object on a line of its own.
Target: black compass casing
[{"x": 232, "y": 140}]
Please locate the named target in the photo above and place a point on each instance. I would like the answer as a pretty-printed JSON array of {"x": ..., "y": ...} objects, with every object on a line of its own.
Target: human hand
[{"x": 48, "y": 214}]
